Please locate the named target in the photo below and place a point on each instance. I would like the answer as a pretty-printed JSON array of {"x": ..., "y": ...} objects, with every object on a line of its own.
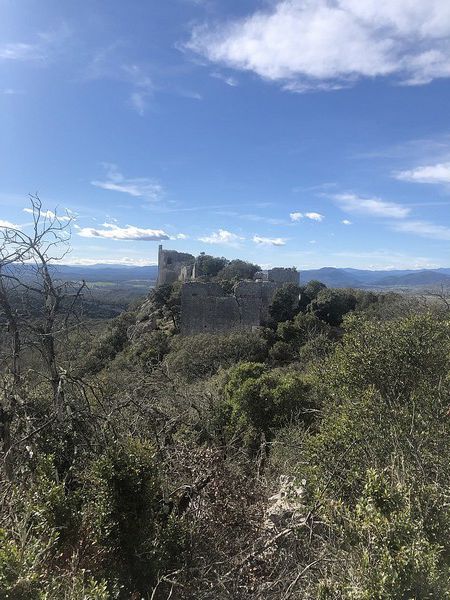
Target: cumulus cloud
[
  {"x": 314, "y": 216},
  {"x": 327, "y": 44},
  {"x": 346, "y": 222},
  {"x": 140, "y": 187},
  {"x": 439, "y": 173},
  {"x": 222, "y": 236},
  {"x": 423, "y": 229},
  {"x": 110, "y": 231},
  {"x": 265, "y": 241},
  {"x": 371, "y": 206}
]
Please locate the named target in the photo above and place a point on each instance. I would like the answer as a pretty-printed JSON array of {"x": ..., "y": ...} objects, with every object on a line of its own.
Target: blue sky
[{"x": 291, "y": 132}]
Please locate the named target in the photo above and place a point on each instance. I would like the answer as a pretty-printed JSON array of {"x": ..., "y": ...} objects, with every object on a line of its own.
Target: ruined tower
[{"x": 174, "y": 266}]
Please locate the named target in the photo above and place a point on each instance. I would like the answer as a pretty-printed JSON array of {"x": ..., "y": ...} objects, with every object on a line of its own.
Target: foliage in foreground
[{"x": 307, "y": 461}]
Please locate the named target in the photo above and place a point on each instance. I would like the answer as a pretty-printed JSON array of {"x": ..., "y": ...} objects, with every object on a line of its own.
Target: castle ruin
[
  {"x": 206, "y": 308},
  {"x": 174, "y": 266}
]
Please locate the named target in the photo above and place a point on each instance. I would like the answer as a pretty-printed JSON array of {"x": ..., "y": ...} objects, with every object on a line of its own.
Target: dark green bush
[
  {"x": 126, "y": 517},
  {"x": 198, "y": 356},
  {"x": 260, "y": 401}
]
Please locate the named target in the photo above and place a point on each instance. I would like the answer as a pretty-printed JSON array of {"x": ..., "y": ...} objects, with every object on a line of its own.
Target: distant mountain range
[
  {"x": 330, "y": 276},
  {"x": 108, "y": 273},
  {"x": 360, "y": 278},
  {"x": 100, "y": 272}
]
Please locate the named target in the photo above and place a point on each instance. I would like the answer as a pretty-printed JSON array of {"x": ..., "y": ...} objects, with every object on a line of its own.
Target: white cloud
[
  {"x": 314, "y": 216},
  {"x": 327, "y": 44},
  {"x": 140, "y": 187},
  {"x": 111, "y": 231},
  {"x": 21, "y": 52},
  {"x": 371, "y": 206},
  {"x": 45, "y": 45},
  {"x": 49, "y": 214},
  {"x": 8, "y": 225},
  {"x": 265, "y": 241},
  {"x": 439, "y": 173},
  {"x": 346, "y": 222},
  {"x": 143, "y": 87},
  {"x": 125, "y": 260},
  {"x": 222, "y": 236},
  {"x": 108, "y": 63},
  {"x": 181, "y": 236},
  {"x": 423, "y": 229}
]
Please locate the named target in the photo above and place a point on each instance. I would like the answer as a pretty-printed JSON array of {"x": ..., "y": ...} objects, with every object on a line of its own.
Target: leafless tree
[
  {"x": 35, "y": 307},
  {"x": 440, "y": 297}
]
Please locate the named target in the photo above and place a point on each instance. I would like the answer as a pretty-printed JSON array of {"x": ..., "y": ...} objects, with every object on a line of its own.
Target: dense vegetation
[{"x": 307, "y": 461}]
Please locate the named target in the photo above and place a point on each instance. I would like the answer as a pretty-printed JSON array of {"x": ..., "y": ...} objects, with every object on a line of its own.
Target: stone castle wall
[
  {"x": 206, "y": 308},
  {"x": 173, "y": 266},
  {"x": 282, "y": 275}
]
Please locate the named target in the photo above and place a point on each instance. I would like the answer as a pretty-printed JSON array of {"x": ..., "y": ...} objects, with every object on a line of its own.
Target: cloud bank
[
  {"x": 110, "y": 231},
  {"x": 328, "y": 44}
]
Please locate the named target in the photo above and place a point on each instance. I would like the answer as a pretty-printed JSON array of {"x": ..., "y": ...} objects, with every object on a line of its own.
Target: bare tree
[
  {"x": 35, "y": 307},
  {"x": 441, "y": 297}
]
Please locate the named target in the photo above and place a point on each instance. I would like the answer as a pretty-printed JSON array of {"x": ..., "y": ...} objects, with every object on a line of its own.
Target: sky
[{"x": 303, "y": 133}]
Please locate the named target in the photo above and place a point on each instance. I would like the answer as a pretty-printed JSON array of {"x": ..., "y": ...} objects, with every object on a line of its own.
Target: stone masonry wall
[
  {"x": 173, "y": 265},
  {"x": 206, "y": 309},
  {"x": 282, "y": 275}
]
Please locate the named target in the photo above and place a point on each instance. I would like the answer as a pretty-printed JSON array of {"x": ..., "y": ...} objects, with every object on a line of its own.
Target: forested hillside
[{"x": 308, "y": 460}]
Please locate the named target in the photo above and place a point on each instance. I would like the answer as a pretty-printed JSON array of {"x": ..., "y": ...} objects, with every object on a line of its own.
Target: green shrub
[
  {"x": 285, "y": 303},
  {"x": 384, "y": 550},
  {"x": 395, "y": 357},
  {"x": 199, "y": 356},
  {"x": 331, "y": 305},
  {"x": 126, "y": 517},
  {"x": 149, "y": 349},
  {"x": 108, "y": 345},
  {"x": 260, "y": 401}
]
